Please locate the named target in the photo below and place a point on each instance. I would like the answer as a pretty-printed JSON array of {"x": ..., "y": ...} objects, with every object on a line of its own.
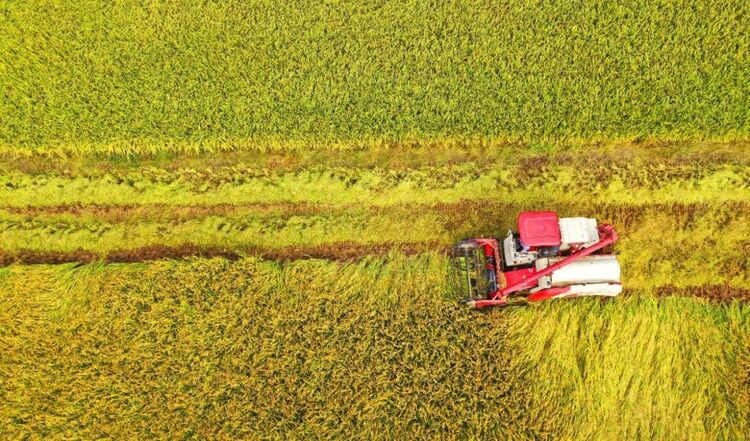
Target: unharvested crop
[
  {"x": 636, "y": 368},
  {"x": 373, "y": 349},
  {"x": 212, "y": 348},
  {"x": 142, "y": 77}
]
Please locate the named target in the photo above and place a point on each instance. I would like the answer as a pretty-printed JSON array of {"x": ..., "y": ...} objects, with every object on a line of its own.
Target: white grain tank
[
  {"x": 586, "y": 270},
  {"x": 590, "y": 275}
]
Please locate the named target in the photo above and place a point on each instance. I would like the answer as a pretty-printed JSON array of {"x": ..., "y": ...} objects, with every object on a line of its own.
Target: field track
[
  {"x": 624, "y": 214},
  {"x": 347, "y": 251}
]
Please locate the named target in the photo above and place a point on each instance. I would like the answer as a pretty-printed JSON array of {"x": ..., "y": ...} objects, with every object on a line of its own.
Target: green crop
[{"x": 139, "y": 76}]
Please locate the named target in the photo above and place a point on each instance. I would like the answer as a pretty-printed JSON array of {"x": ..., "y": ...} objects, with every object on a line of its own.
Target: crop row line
[{"x": 622, "y": 212}]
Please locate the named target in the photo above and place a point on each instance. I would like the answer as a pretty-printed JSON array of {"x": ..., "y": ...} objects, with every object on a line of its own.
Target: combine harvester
[{"x": 548, "y": 258}]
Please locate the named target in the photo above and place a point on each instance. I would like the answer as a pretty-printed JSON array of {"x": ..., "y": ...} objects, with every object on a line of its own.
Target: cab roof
[{"x": 539, "y": 228}]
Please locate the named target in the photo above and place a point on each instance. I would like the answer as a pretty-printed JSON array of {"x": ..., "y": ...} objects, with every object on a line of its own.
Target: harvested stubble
[
  {"x": 635, "y": 183},
  {"x": 374, "y": 349},
  {"x": 395, "y": 156},
  {"x": 337, "y": 251},
  {"x": 128, "y": 234}
]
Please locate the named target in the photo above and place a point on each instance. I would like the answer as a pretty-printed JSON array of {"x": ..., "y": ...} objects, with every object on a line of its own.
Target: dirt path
[{"x": 340, "y": 251}]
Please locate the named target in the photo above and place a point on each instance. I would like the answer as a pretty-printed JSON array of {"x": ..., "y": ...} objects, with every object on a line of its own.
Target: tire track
[
  {"x": 338, "y": 251},
  {"x": 391, "y": 155}
]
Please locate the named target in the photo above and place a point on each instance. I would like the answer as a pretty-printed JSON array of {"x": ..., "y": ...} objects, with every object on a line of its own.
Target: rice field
[
  {"x": 273, "y": 297},
  {"x": 231, "y": 220},
  {"x": 369, "y": 349},
  {"x": 137, "y": 76}
]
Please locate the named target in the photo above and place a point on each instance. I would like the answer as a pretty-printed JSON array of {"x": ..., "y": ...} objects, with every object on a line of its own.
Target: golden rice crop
[
  {"x": 636, "y": 368},
  {"x": 375, "y": 349},
  {"x": 213, "y": 348},
  {"x": 187, "y": 76}
]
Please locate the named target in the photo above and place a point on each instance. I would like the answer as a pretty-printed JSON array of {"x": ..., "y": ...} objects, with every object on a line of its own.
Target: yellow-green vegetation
[
  {"x": 658, "y": 247},
  {"x": 633, "y": 184},
  {"x": 249, "y": 349},
  {"x": 372, "y": 349},
  {"x": 636, "y": 368},
  {"x": 666, "y": 202},
  {"x": 141, "y": 76},
  {"x": 349, "y": 143},
  {"x": 370, "y": 343}
]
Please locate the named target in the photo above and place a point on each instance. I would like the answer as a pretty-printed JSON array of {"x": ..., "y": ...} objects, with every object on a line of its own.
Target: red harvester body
[{"x": 549, "y": 257}]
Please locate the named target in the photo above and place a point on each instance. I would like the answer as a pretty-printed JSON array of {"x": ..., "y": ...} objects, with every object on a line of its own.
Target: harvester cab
[{"x": 548, "y": 257}]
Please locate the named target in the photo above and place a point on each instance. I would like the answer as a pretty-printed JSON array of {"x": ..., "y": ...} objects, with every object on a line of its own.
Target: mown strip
[
  {"x": 164, "y": 212},
  {"x": 660, "y": 244},
  {"x": 397, "y": 156},
  {"x": 479, "y": 217},
  {"x": 339, "y": 252},
  {"x": 97, "y": 227},
  {"x": 632, "y": 184},
  {"x": 454, "y": 213}
]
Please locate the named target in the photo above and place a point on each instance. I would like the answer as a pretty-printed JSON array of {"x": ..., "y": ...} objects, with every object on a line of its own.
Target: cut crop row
[{"x": 628, "y": 184}]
